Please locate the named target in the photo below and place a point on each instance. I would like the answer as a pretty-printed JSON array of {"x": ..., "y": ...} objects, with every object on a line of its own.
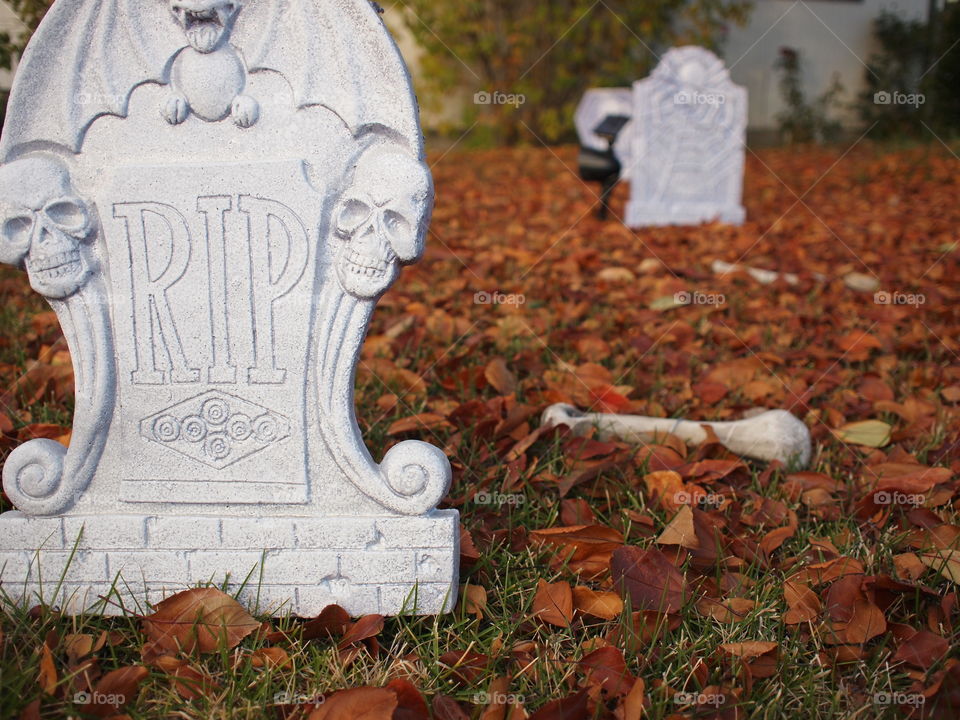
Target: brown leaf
[
  {"x": 202, "y": 620},
  {"x": 410, "y": 703},
  {"x": 607, "y": 669},
  {"x": 418, "y": 423},
  {"x": 48, "y": 671},
  {"x": 749, "y": 649},
  {"x": 553, "y": 603},
  {"x": 475, "y": 600},
  {"x": 467, "y": 666},
  {"x": 446, "y": 708},
  {"x": 603, "y": 605},
  {"x": 945, "y": 562},
  {"x": 189, "y": 682},
  {"x": 270, "y": 657},
  {"x": 633, "y": 704},
  {"x": 867, "y": 622},
  {"x": 364, "y": 703},
  {"x": 573, "y": 707},
  {"x": 680, "y": 531},
  {"x": 333, "y": 620},
  {"x": 496, "y": 705},
  {"x": 116, "y": 690},
  {"x": 922, "y": 650},
  {"x": 366, "y": 627},
  {"x": 500, "y": 377},
  {"x": 649, "y": 578}
]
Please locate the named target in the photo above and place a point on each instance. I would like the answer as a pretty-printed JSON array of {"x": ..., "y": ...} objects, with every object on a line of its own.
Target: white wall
[{"x": 833, "y": 36}]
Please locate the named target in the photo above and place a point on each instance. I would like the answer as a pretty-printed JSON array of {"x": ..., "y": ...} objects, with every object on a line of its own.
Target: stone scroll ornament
[{"x": 213, "y": 195}]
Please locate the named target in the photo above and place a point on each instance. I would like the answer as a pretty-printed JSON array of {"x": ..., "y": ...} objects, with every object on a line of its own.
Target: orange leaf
[
  {"x": 365, "y": 703},
  {"x": 680, "y": 531},
  {"x": 423, "y": 421},
  {"x": 48, "y": 671},
  {"x": 500, "y": 377},
  {"x": 199, "y": 619},
  {"x": 116, "y": 690},
  {"x": 366, "y": 627},
  {"x": 603, "y": 605},
  {"x": 553, "y": 603}
]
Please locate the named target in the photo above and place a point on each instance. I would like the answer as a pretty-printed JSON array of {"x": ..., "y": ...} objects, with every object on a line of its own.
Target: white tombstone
[
  {"x": 689, "y": 126},
  {"x": 213, "y": 195},
  {"x": 597, "y": 104}
]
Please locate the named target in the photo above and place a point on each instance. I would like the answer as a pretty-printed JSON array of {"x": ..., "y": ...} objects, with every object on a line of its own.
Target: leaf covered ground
[{"x": 602, "y": 579}]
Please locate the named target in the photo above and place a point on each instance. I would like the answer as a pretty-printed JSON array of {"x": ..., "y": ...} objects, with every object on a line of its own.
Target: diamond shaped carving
[{"x": 216, "y": 429}]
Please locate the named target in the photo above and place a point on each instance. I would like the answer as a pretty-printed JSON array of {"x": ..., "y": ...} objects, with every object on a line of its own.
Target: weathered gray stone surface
[
  {"x": 213, "y": 211},
  {"x": 689, "y": 143}
]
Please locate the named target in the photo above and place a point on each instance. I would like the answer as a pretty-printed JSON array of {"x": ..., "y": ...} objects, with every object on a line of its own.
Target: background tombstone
[
  {"x": 689, "y": 126},
  {"x": 597, "y": 104},
  {"x": 213, "y": 196}
]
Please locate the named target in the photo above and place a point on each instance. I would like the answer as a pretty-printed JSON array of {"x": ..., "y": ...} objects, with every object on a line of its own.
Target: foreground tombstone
[
  {"x": 689, "y": 128},
  {"x": 213, "y": 195}
]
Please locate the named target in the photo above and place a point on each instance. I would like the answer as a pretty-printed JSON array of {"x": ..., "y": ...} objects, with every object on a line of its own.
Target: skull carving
[
  {"x": 382, "y": 219},
  {"x": 43, "y": 225}
]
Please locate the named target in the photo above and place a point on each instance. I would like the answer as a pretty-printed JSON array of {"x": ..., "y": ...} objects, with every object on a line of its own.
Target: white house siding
[{"x": 833, "y": 36}]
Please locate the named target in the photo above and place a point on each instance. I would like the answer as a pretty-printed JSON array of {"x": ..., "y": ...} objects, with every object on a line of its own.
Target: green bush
[
  {"x": 549, "y": 53},
  {"x": 913, "y": 80}
]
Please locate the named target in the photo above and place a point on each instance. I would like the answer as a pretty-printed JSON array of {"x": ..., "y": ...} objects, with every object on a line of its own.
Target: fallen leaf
[
  {"x": 410, "y": 703},
  {"x": 680, "y": 531},
  {"x": 553, "y": 603},
  {"x": 202, "y": 619},
  {"x": 603, "y": 605},
  {"x": 923, "y": 650},
  {"x": 945, "y": 562},
  {"x": 869, "y": 433},
  {"x": 364, "y": 703},
  {"x": 366, "y": 627},
  {"x": 650, "y": 580},
  {"x": 500, "y": 377},
  {"x": 475, "y": 600},
  {"x": 116, "y": 690}
]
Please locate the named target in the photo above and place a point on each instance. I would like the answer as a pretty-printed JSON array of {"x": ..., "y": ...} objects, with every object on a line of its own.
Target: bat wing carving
[
  {"x": 104, "y": 49},
  {"x": 362, "y": 76}
]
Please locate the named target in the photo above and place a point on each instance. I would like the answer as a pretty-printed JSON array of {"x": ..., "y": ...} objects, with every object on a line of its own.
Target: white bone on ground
[{"x": 768, "y": 436}]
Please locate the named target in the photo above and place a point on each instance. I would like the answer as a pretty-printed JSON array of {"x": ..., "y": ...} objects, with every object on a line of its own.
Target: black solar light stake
[{"x": 603, "y": 166}]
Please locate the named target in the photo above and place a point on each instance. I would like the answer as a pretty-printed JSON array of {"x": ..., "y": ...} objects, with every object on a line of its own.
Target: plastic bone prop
[{"x": 768, "y": 436}]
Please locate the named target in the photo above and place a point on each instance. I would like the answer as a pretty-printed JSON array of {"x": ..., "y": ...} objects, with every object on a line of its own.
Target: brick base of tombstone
[{"x": 305, "y": 565}]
